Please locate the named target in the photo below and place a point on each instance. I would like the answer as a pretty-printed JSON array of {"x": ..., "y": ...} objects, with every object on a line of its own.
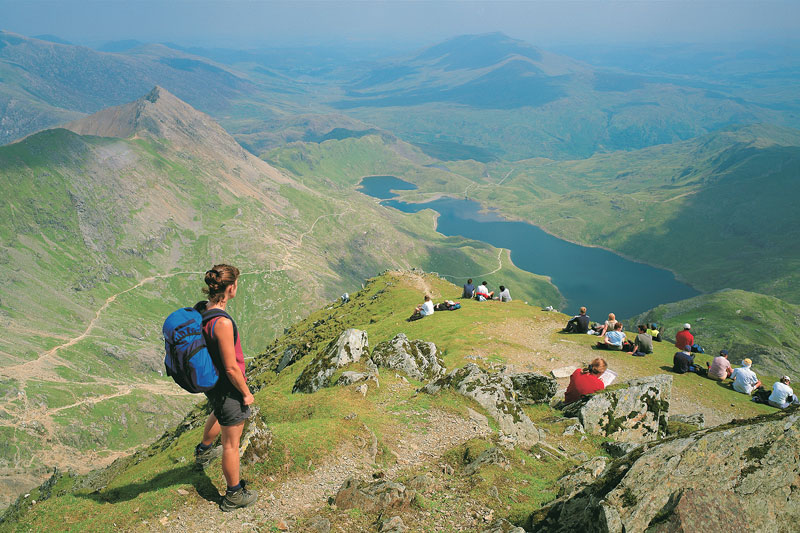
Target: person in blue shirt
[
  {"x": 469, "y": 289},
  {"x": 613, "y": 339}
]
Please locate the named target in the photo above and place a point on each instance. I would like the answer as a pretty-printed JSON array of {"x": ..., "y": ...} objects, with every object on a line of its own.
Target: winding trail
[{"x": 499, "y": 266}]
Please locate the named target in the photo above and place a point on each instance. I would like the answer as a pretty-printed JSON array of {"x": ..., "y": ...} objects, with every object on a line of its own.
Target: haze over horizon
[{"x": 398, "y": 24}]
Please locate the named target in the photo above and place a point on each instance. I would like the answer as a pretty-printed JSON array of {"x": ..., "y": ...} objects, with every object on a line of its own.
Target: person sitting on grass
[
  {"x": 655, "y": 332},
  {"x": 720, "y": 368},
  {"x": 643, "y": 343},
  {"x": 482, "y": 293},
  {"x": 504, "y": 295},
  {"x": 586, "y": 380},
  {"x": 613, "y": 339},
  {"x": 469, "y": 289},
  {"x": 683, "y": 361},
  {"x": 422, "y": 310},
  {"x": 609, "y": 325},
  {"x": 578, "y": 323},
  {"x": 744, "y": 379},
  {"x": 684, "y": 337},
  {"x": 782, "y": 394}
]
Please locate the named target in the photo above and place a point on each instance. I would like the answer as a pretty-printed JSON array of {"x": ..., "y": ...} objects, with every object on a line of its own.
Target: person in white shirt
[
  {"x": 744, "y": 379},
  {"x": 504, "y": 295},
  {"x": 782, "y": 394},
  {"x": 482, "y": 292}
]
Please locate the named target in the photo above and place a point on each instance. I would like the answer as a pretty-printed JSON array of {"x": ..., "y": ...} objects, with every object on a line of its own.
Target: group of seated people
[
  {"x": 744, "y": 379},
  {"x": 427, "y": 307},
  {"x": 482, "y": 292}
]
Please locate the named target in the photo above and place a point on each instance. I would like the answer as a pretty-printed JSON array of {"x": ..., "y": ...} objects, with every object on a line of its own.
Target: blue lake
[{"x": 601, "y": 280}]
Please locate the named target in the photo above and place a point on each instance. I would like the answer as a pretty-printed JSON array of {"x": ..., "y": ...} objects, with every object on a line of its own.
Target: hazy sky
[{"x": 253, "y": 23}]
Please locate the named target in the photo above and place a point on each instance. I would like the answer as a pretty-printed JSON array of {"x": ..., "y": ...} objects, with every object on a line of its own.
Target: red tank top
[{"x": 213, "y": 347}]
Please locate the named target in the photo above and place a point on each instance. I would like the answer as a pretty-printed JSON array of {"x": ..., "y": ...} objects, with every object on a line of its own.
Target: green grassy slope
[{"x": 308, "y": 428}]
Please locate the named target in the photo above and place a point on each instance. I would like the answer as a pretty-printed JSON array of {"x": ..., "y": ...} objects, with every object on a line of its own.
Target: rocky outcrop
[
  {"x": 743, "y": 476},
  {"x": 502, "y": 525},
  {"x": 350, "y": 377},
  {"x": 373, "y": 497},
  {"x": 532, "y": 387},
  {"x": 581, "y": 476},
  {"x": 348, "y": 348},
  {"x": 495, "y": 393},
  {"x": 492, "y": 456},
  {"x": 696, "y": 419},
  {"x": 256, "y": 441},
  {"x": 418, "y": 359},
  {"x": 634, "y": 411}
]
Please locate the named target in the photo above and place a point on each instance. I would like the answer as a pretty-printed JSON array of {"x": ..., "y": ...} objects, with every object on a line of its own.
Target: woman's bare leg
[
  {"x": 211, "y": 430},
  {"x": 230, "y": 452}
]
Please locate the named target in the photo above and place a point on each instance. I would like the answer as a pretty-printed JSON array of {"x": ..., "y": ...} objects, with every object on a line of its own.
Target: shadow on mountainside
[{"x": 177, "y": 476}]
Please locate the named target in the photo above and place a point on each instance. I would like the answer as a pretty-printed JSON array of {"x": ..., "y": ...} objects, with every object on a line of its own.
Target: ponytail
[{"x": 218, "y": 279}]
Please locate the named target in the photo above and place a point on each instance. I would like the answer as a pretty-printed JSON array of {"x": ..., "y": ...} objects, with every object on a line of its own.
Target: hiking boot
[
  {"x": 237, "y": 500},
  {"x": 202, "y": 458}
]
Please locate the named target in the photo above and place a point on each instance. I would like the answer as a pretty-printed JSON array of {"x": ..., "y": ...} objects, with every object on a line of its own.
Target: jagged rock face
[
  {"x": 744, "y": 476},
  {"x": 417, "y": 358},
  {"x": 637, "y": 412},
  {"x": 495, "y": 393},
  {"x": 350, "y": 377},
  {"x": 581, "y": 476},
  {"x": 533, "y": 388},
  {"x": 373, "y": 497},
  {"x": 351, "y": 345}
]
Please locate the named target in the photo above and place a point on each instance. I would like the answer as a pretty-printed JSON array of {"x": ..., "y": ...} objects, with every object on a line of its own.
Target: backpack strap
[{"x": 211, "y": 314}]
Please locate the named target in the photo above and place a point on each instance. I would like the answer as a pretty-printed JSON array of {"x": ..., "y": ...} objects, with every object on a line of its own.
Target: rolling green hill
[{"x": 101, "y": 237}]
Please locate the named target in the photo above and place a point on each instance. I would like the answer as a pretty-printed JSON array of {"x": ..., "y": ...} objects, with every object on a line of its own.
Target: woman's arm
[{"x": 224, "y": 330}]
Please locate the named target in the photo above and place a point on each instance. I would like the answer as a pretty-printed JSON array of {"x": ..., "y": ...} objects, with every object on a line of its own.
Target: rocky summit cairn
[
  {"x": 495, "y": 393},
  {"x": 348, "y": 348},
  {"x": 743, "y": 476},
  {"x": 418, "y": 359},
  {"x": 634, "y": 411}
]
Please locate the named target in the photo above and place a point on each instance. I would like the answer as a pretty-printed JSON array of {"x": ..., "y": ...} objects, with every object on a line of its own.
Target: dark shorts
[{"x": 228, "y": 407}]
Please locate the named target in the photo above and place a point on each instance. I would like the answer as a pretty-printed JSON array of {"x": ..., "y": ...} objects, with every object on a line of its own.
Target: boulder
[
  {"x": 318, "y": 524},
  {"x": 349, "y": 377},
  {"x": 393, "y": 525},
  {"x": 618, "y": 449},
  {"x": 256, "y": 441},
  {"x": 495, "y": 393},
  {"x": 697, "y": 419},
  {"x": 532, "y": 388},
  {"x": 563, "y": 372},
  {"x": 492, "y": 456},
  {"x": 742, "y": 476},
  {"x": 581, "y": 476},
  {"x": 347, "y": 348},
  {"x": 418, "y": 359},
  {"x": 373, "y": 497},
  {"x": 635, "y": 411}
]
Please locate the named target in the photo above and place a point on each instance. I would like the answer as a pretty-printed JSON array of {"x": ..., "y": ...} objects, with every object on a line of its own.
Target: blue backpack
[{"x": 187, "y": 359}]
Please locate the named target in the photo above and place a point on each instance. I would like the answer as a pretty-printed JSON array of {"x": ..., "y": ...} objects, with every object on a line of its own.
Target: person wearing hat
[
  {"x": 782, "y": 394},
  {"x": 683, "y": 361},
  {"x": 720, "y": 368},
  {"x": 744, "y": 379},
  {"x": 654, "y": 332},
  {"x": 684, "y": 338}
]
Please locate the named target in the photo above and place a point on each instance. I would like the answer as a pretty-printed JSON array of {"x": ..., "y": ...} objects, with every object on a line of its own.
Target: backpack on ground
[{"x": 187, "y": 358}]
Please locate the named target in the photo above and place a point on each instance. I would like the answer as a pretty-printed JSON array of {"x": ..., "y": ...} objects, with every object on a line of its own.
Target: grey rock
[
  {"x": 420, "y": 483},
  {"x": 502, "y": 525},
  {"x": 697, "y": 419},
  {"x": 495, "y": 393},
  {"x": 618, "y": 449},
  {"x": 533, "y": 388},
  {"x": 393, "y": 525},
  {"x": 347, "y": 348},
  {"x": 318, "y": 524},
  {"x": 349, "y": 377},
  {"x": 362, "y": 389},
  {"x": 742, "y": 476},
  {"x": 581, "y": 476},
  {"x": 492, "y": 456},
  {"x": 418, "y": 359},
  {"x": 256, "y": 441},
  {"x": 635, "y": 412},
  {"x": 373, "y": 497},
  {"x": 564, "y": 371}
]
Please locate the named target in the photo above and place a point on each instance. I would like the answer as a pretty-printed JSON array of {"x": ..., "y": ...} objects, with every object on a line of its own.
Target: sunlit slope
[{"x": 101, "y": 237}]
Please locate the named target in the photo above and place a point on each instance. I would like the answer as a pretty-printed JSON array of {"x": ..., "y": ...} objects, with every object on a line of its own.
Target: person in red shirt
[
  {"x": 684, "y": 338},
  {"x": 586, "y": 380}
]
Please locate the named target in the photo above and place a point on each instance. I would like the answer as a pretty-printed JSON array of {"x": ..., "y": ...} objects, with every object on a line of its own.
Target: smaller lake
[{"x": 601, "y": 280}]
